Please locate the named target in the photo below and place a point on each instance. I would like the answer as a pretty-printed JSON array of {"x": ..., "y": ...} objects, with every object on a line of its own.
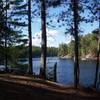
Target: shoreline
[
  {"x": 80, "y": 58},
  {"x": 29, "y": 88}
]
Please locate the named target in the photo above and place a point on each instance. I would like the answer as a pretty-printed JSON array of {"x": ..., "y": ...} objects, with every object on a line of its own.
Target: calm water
[{"x": 65, "y": 70}]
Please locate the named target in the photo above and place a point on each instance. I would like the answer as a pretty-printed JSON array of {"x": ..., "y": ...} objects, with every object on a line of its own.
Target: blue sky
[{"x": 56, "y": 36}]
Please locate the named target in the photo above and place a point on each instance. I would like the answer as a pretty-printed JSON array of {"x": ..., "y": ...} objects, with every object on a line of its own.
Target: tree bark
[
  {"x": 43, "y": 41},
  {"x": 97, "y": 65},
  {"x": 6, "y": 35},
  {"x": 98, "y": 53},
  {"x": 76, "y": 59},
  {"x": 30, "y": 68}
]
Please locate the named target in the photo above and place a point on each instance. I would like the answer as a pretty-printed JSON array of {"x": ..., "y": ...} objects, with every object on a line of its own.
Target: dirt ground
[{"x": 13, "y": 87}]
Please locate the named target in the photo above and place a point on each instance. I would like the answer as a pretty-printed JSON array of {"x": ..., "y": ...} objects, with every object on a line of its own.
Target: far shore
[{"x": 81, "y": 58}]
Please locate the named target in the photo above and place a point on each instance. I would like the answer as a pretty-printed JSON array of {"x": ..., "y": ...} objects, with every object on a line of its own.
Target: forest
[
  {"x": 18, "y": 20},
  {"x": 87, "y": 47}
]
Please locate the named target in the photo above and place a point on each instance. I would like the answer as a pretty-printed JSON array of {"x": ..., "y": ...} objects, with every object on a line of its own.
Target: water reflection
[{"x": 65, "y": 70}]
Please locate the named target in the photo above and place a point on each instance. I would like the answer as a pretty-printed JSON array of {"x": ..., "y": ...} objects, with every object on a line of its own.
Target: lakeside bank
[{"x": 15, "y": 87}]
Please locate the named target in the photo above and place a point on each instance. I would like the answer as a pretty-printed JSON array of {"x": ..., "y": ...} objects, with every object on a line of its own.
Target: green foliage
[
  {"x": 10, "y": 28},
  {"x": 71, "y": 48},
  {"x": 88, "y": 45},
  {"x": 51, "y": 51},
  {"x": 21, "y": 67},
  {"x": 63, "y": 50},
  {"x": 21, "y": 51}
]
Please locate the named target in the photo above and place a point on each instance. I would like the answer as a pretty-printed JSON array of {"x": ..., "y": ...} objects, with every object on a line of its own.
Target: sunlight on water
[{"x": 65, "y": 70}]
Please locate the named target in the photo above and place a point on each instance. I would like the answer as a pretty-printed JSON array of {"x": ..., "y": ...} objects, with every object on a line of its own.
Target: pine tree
[
  {"x": 71, "y": 18},
  {"x": 9, "y": 26},
  {"x": 30, "y": 70},
  {"x": 44, "y": 39}
]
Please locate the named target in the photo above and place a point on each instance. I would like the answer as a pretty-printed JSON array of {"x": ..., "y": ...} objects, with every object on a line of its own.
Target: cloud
[
  {"x": 51, "y": 37},
  {"x": 37, "y": 20},
  {"x": 54, "y": 38}
]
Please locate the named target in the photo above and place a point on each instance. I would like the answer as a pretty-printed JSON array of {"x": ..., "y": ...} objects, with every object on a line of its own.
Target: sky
[{"x": 56, "y": 36}]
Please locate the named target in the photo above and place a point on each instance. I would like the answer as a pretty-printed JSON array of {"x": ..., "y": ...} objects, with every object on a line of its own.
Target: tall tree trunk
[
  {"x": 97, "y": 65},
  {"x": 98, "y": 53},
  {"x": 30, "y": 69},
  {"x": 44, "y": 40},
  {"x": 6, "y": 34},
  {"x": 76, "y": 59}
]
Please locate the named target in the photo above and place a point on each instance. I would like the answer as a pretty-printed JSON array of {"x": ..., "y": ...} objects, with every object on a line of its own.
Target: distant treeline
[
  {"x": 51, "y": 51},
  {"x": 87, "y": 46},
  {"x": 36, "y": 51}
]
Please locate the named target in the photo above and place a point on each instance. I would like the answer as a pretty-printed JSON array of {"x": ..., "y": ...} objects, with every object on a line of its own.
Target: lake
[{"x": 65, "y": 70}]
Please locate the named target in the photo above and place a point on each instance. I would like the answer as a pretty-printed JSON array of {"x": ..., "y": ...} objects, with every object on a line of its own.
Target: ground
[{"x": 15, "y": 87}]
